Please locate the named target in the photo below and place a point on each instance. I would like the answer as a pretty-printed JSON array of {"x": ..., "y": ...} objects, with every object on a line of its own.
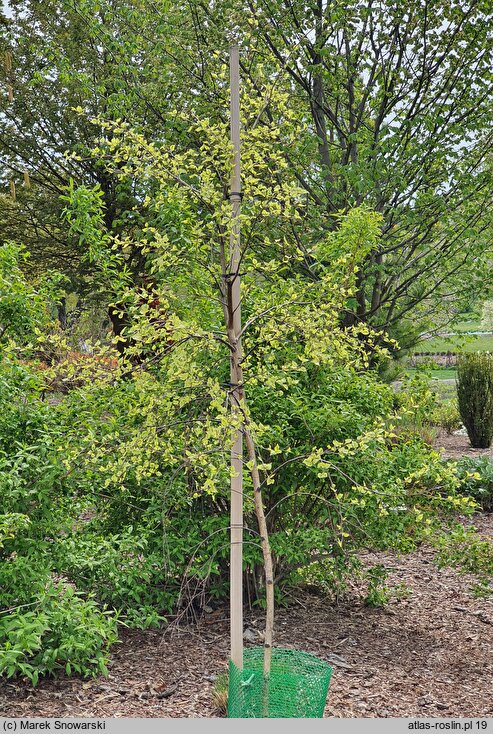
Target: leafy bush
[
  {"x": 337, "y": 478},
  {"x": 378, "y": 593},
  {"x": 475, "y": 397},
  {"x": 446, "y": 415},
  {"x": 416, "y": 401},
  {"x": 120, "y": 511},
  {"x": 61, "y": 631},
  {"x": 122, "y": 571},
  {"x": 44, "y": 626},
  {"x": 476, "y": 480},
  {"x": 464, "y": 549},
  {"x": 24, "y": 306}
]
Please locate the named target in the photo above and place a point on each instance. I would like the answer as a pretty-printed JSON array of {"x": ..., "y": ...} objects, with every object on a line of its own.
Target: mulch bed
[
  {"x": 429, "y": 653},
  {"x": 457, "y": 446}
]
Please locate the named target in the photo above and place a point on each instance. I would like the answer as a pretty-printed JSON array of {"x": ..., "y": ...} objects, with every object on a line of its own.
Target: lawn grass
[
  {"x": 462, "y": 326},
  {"x": 456, "y": 344},
  {"x": 447, "y": 373},
  {"x": 446, "y": 391}
]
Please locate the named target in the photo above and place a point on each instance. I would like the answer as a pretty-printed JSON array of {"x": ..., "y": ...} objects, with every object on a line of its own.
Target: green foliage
[
  {"x": 364, "y": 136},
  {"x": 61, "y": 632},
  {"x": 45, "y": 626},
  {"x": 446, "y": 415},
  {"x": 120, "y": 571},
  {"x": 476, "y": 480},
  {"x": 159, "y": 530},
  {"x": 416, "y": 400},
  {"x": 378, "y": 593},
  {"x": 10, "y": 523},
  {"x": 465, "y": 550},
  {"x": 475, "y": 397},
  {"x": 23, "y": 306}
]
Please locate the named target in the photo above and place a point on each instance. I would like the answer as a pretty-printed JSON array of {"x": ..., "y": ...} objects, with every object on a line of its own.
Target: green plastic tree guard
[{"x": 296, "y": 687}]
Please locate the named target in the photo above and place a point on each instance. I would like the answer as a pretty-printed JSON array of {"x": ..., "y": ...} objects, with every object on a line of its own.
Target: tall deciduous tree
[
  {"x": 65, "y": 63},
  {"x": 390, "y": 103},
  {"x": 396, "y": 99}
]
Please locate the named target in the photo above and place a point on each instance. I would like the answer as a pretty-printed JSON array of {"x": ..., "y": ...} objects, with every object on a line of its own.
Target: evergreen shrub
[{"x": 475, "y": 397}]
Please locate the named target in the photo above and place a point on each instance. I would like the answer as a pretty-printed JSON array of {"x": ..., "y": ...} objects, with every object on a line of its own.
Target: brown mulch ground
[
  {"x": 429, "y": 653},
  {"x": 457, "y": 446}
]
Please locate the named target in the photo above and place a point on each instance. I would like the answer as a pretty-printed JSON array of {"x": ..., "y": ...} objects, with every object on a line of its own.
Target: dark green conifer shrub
[{"x": 475, "y": 397}]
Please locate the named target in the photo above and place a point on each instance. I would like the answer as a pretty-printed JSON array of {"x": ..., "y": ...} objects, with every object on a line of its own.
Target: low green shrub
[
  {"x": 416, "y": 400},
  {"x": 60, "y": 631},
  {"x": 475, "y": 397},
  {"x": 123, "y": 571},
  {"x": 446, "y": 415},
  {"x": 378, "y": 593},
  {"x": 476, "y": 480},
  {"x": 462, "y": 548},
  {"x": 46, "y": 625},
  {"x": 23, "y": 305}
]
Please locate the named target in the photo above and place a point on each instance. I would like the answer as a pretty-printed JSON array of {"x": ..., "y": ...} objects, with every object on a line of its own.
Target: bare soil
[
  {"x": 428, "y": 653},
  {"x": 457, "y": 446}
]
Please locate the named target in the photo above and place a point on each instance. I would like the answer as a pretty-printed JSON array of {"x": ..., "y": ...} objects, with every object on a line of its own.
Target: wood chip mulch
[
  {"x": 457, "y": 446},
  {"x": 428, "y": 653}
]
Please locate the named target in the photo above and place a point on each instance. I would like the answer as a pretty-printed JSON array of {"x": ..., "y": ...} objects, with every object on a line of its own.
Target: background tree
[
  {"x": 60, "y": 57},
  {"x": 396, "y": 103},
  {"x": 393, "y": 106}
]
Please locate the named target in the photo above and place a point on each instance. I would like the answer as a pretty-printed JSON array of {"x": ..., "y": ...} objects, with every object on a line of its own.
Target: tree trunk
[{"x": 62, "y": 312}]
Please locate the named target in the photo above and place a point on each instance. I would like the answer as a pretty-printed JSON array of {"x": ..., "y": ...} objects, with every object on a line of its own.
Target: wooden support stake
[{"x": 234, "y": 314}]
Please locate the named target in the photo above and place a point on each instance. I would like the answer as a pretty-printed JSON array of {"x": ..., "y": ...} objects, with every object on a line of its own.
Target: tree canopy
[{"x": 390, "y": 106}]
